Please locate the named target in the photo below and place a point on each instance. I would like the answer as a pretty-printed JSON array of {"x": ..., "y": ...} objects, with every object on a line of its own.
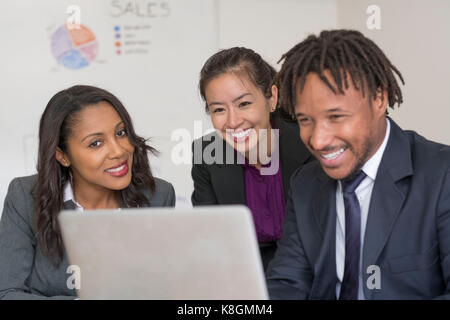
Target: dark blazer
[
  {"x": 25, "y": 273},
  {"x": 407, "y": 233},
  {"x": 225, "y": 184}
]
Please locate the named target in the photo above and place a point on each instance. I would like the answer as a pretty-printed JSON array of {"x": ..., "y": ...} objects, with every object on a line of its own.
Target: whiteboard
[{"x": 147, "y": 52}]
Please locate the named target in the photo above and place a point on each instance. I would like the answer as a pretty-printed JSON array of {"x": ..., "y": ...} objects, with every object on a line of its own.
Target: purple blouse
[{"x": 265, "y": 199}]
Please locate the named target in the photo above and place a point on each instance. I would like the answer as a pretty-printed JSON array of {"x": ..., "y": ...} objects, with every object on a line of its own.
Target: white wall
[
  {"x": 415, "y": 35},
  {"x": 272, "y": 27}
]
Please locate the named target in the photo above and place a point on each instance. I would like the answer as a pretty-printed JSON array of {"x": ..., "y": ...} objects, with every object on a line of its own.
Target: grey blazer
[{"x": 25, "y": 273}]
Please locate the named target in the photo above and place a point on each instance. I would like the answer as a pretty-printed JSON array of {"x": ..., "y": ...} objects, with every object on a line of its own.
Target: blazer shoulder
[
  {"x": 306, "y": 174},
  {"x": 22, "y": 185},
  {"x": 163, "y": 186},
  {"x": 22, "y": 189},
  {"x": 20, "y": 197},
  {"x": 424, "y": 143},
  {"x": 428, "y": 152},
  {"x": 291, "y": 143},
  {"x": 163, "y": 196}
]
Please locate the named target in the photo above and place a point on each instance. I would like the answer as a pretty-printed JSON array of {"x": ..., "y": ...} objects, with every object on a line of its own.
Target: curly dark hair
[
  {"x": 55, "y": 127},
  {"x": 341, "y": 52}
]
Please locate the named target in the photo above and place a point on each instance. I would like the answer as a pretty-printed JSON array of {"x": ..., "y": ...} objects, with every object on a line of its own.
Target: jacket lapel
[
  {"x": 324, "y": 284},
  {"x": 69, "y": 205},
  {"x": 229, "y": 178},
  {"x": 290, "y": 144},
  {"x": 387, "y": 198},
  {"x": 230, "y": 185}
]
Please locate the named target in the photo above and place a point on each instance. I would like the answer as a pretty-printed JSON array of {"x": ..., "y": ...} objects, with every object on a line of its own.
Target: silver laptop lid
[{"x": 165, "y": 253}]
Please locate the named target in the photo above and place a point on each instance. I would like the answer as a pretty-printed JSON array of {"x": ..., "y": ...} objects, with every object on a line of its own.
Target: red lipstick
[{"x": 119, "y": 170}]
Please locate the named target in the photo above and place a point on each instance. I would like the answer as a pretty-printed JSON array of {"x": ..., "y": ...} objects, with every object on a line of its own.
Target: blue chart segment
[{"x": 74, "y": 48}]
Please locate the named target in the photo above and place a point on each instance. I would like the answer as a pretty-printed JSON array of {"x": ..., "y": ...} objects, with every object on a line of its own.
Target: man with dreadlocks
[{"x": 371, "y": 218}]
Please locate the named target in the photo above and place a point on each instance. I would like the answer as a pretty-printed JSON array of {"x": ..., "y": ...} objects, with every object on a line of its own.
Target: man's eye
[
  {"x": 335, "y": 116},
  {"x": 95, "y": 144}
]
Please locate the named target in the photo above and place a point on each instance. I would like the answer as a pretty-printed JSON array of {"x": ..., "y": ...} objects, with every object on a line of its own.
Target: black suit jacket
[
  {"x": 407, "y": 233},
  {"x": 217, "y": 183}
]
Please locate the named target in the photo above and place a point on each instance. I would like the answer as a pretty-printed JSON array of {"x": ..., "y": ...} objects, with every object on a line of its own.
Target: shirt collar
[
  {"x": 370, "y": 168},
  {"x": 68, "y": 195}
]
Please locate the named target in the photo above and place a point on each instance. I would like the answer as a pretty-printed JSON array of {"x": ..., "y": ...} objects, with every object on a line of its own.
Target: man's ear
[
  {"x": 62, "y": 158},
  {"x": 379, "y": 104},
  {"x": 274, "y": 98}
]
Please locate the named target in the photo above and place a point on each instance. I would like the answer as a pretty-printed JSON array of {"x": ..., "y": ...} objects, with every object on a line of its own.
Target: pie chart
[{"x": 74, "y": 48}]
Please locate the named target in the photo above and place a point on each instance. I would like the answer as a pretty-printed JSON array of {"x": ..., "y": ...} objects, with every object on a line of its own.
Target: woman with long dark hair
[
  {"x": 89, "y": 158},
  {"x": 256, "y": 147}
]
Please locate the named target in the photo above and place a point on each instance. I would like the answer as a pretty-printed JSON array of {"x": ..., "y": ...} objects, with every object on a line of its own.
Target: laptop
[{"x": 205, "y": 253}]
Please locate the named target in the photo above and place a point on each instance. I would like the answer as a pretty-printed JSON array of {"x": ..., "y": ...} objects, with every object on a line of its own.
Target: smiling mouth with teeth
[
  {"x": 117, "y": 169},
  {"x": 333, "y": 155},
  {"x": 241, "y": 134}
]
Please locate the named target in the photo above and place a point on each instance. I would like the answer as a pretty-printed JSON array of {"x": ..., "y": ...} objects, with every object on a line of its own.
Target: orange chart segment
[{"x": 81, "y": 36}]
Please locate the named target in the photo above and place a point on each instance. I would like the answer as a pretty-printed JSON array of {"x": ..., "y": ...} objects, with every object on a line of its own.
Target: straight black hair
[{"x": 240, "y": 60}]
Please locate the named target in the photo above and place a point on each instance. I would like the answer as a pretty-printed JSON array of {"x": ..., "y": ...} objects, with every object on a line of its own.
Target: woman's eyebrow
[
  {"x": 234, "y": 100},
  {"x": 120, "y": 123},
  {"x": 241, "y": 96},
  {"x": 92, "y": 134},
  {"x": 100, "y": 133}
]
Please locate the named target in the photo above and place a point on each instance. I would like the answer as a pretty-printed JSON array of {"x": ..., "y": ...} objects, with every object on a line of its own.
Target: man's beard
[{"x": 367, "y": 149}]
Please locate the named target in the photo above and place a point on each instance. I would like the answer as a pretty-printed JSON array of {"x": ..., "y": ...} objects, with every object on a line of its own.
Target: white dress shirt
[
  {"x": 68, "y": 195},
  {"x": 364, "y": 193}
]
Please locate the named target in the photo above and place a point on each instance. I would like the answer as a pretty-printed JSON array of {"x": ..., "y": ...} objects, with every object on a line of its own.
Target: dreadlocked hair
[{"x": 341, "y": 52}]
